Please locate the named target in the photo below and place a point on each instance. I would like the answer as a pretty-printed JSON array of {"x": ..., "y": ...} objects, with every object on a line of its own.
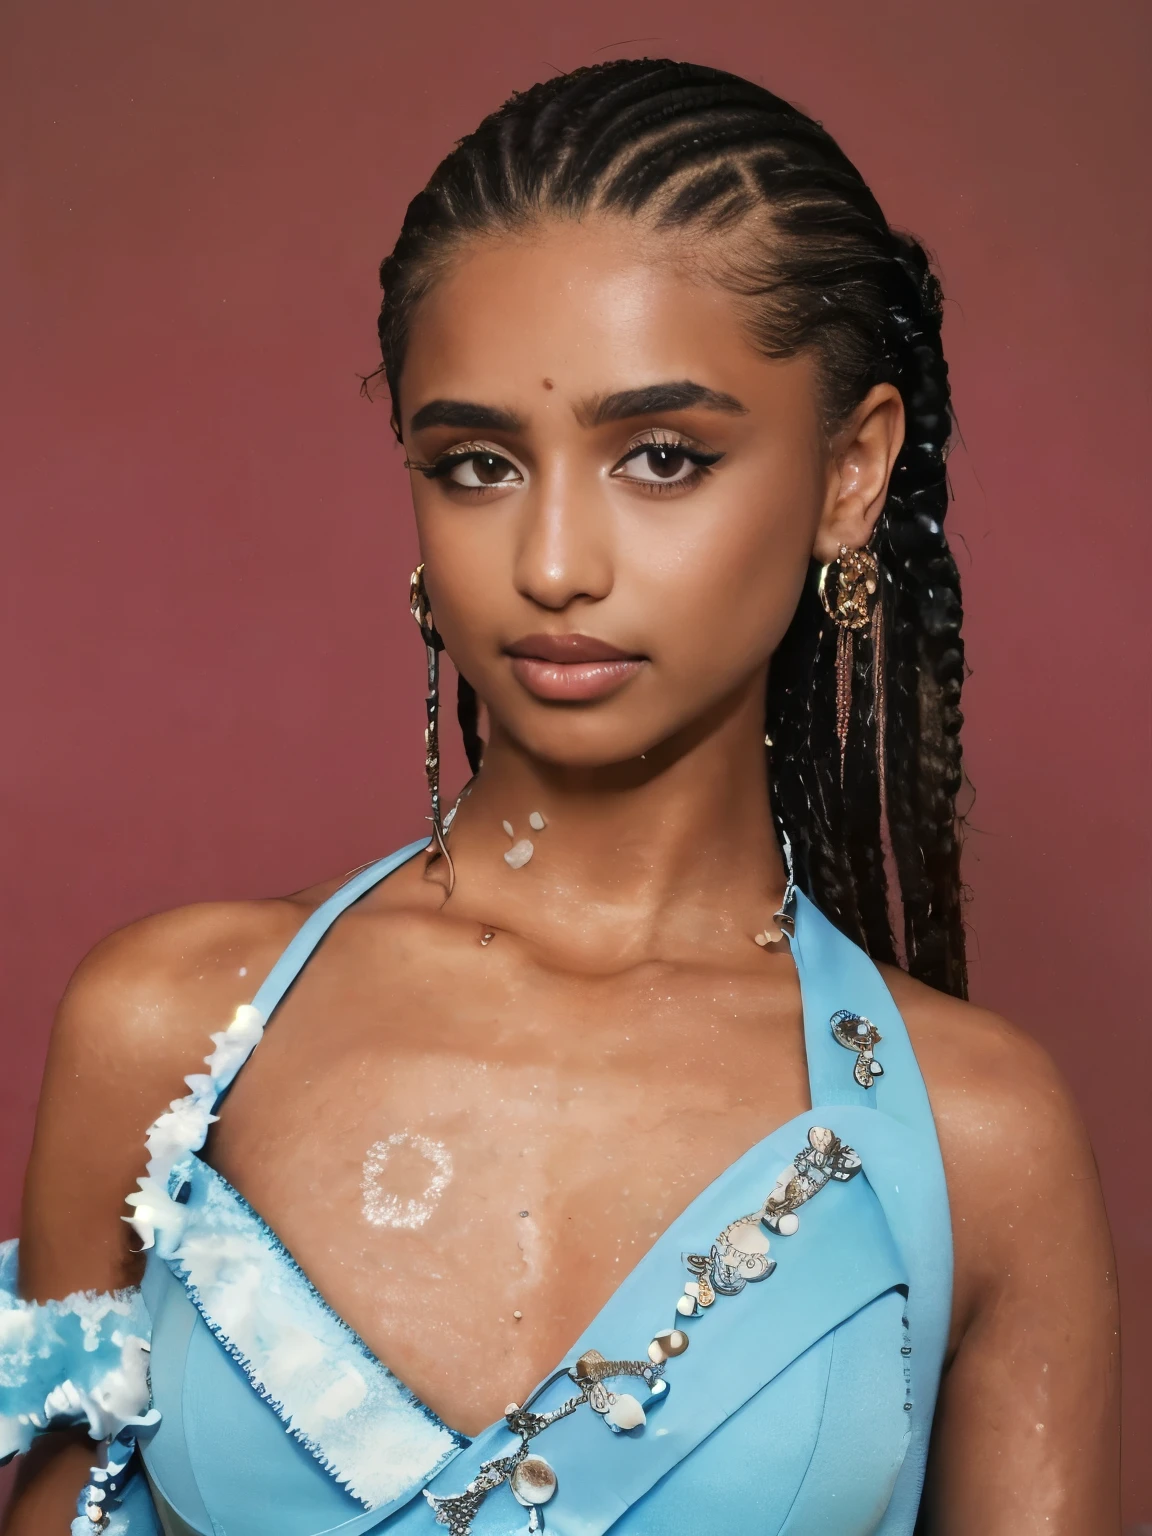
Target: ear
[{"x": 863, "y": 453}]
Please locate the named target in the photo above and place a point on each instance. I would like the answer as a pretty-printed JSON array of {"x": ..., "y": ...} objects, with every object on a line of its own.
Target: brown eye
[
  {"x": 666, "y": 463},
  {"x": 657, "y": 464},
  {"x": 478, "y": 470}
]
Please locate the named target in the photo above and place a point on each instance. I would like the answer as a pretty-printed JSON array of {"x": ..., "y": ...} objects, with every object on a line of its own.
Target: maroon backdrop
[{"x": 213, "y": 688}]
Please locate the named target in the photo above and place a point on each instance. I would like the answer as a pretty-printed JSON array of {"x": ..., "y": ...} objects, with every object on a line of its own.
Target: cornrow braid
[{"x": 802, "y": 244}]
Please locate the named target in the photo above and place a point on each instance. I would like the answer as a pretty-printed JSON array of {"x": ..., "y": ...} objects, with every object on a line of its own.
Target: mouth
[{"x": 571, "y": 668}]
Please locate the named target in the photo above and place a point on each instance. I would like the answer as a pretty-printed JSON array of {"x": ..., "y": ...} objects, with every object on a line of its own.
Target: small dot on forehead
[{"x": 548, "y": 384}]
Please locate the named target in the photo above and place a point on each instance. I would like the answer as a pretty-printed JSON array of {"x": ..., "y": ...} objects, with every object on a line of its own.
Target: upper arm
[
  {"x": 1027, "y": 1429},
  {"x": 134, "y": 1020}
]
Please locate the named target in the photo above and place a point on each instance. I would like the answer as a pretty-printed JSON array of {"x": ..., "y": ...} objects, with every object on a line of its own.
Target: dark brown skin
[{"x": 622, "y": 1039}]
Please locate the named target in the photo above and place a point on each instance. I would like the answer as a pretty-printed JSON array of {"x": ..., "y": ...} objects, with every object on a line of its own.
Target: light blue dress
[{"x": 803, "y": 1406}]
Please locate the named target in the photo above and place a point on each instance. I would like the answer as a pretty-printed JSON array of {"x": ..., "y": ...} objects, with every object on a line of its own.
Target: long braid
[
  {"x": 468, "y": 716},
  {"x": 928, "y": 651},
  {"x": 796, "y": 235}
]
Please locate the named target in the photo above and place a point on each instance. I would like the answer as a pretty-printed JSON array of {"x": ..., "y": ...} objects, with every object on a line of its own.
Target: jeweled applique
[
  {"x": 859, "y": 1034},
  {"x": 737, "y": 1258}
]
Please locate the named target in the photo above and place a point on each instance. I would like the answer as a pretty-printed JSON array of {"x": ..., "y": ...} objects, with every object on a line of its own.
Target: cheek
[
  {"x": 716, "y": 584},
  {"x": 468, "y": 554}
]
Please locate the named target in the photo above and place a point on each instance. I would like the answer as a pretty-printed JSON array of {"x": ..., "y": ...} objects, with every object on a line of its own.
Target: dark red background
[{"x": 212, "y": 685}]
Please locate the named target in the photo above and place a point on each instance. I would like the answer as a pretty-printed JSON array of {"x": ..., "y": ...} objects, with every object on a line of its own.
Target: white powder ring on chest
[{"x": 384, "y": 1209}]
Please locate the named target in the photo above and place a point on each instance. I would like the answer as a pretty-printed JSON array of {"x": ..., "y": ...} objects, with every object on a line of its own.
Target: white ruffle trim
[
  {"x": 157, "y": 1219},
  {"x": 83, "y": 1360},
  {"x": 365, "y": 1427}
]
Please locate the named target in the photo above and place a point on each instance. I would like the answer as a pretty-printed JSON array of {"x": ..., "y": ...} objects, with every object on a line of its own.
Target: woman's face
[{"x": 618, "y": 497}]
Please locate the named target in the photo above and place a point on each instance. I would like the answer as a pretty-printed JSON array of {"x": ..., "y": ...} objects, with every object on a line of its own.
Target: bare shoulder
[
  {"x": 993, "y": 1086},
  {"x": 147, "y": 992},
  {"x": 1020, "y": 1169},
  {"x": 134, "y": 1020}
]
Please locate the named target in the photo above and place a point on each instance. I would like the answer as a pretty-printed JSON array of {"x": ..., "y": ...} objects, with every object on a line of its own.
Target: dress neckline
[
  {"x": 705, "y": 1196},
  {"x": 828, "y": 1074},
  {"x": 268, "y": 998}
]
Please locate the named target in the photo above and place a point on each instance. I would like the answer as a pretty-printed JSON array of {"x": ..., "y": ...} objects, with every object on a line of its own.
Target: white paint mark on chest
[{"x": 382, "y": 1207}]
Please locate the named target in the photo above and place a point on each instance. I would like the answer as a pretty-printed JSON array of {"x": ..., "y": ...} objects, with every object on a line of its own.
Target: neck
[{"x": 635, "y": 859}]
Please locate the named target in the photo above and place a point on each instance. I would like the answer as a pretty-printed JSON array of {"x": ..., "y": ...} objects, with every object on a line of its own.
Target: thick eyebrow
[
  {"x": 654, "y": 399},
  {"x": 466, "y": 414}
]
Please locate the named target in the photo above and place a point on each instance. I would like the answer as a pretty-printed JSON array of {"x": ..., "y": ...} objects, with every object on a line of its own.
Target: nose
[{"x": 564, "y": 549}]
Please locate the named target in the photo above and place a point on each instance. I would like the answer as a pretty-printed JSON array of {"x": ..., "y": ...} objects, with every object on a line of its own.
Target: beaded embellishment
[
  {"x": 859, "y": 1034},
  {"x": 737, "y": 1258}
]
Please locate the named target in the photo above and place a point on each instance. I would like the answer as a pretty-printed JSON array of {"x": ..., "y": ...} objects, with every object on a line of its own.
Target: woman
[{"x": 676, "y": 412}]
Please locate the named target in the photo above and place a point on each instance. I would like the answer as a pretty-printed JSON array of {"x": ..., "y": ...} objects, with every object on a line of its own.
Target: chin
[{"x": 569, "y": 737}]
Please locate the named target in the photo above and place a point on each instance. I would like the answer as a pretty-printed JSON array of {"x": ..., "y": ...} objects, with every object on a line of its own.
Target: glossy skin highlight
[{"x": 622, "y": 1039}]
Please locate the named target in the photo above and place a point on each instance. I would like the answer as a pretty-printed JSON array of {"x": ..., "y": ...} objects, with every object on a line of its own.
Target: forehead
[{"x": 594, "y": 306}]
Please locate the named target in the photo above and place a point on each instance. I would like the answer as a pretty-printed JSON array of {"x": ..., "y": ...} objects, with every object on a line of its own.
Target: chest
[{"x": 467, "y": 1157}]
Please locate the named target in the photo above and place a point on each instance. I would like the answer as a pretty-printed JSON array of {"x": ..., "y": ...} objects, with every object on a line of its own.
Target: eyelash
[
  {"x": 701, "y": 460},
  {"x": 440, "y": 468}
]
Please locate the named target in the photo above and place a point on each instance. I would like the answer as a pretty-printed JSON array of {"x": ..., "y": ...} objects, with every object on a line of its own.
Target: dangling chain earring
[
  {"x": 433, "y": 645},
  {"x": 857, "y": 583}
]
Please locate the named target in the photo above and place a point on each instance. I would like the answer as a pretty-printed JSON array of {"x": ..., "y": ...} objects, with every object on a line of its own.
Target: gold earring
[
  {"x": 852, "y": 601},
  {"x": 433, "y": 645}
]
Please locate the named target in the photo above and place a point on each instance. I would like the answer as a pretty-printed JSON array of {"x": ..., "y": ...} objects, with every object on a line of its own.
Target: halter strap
[
  {"x": 300, "y": 948},
  {"x": 836, "y": 974}
]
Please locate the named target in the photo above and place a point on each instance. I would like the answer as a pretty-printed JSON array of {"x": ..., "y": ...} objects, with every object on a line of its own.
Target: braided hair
[{"x": 802, "y": 244}]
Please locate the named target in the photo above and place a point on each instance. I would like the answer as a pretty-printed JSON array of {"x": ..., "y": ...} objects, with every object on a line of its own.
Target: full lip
[
  {"x": 569, "y": 649},
  {"x": 571, "y": 668}
]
